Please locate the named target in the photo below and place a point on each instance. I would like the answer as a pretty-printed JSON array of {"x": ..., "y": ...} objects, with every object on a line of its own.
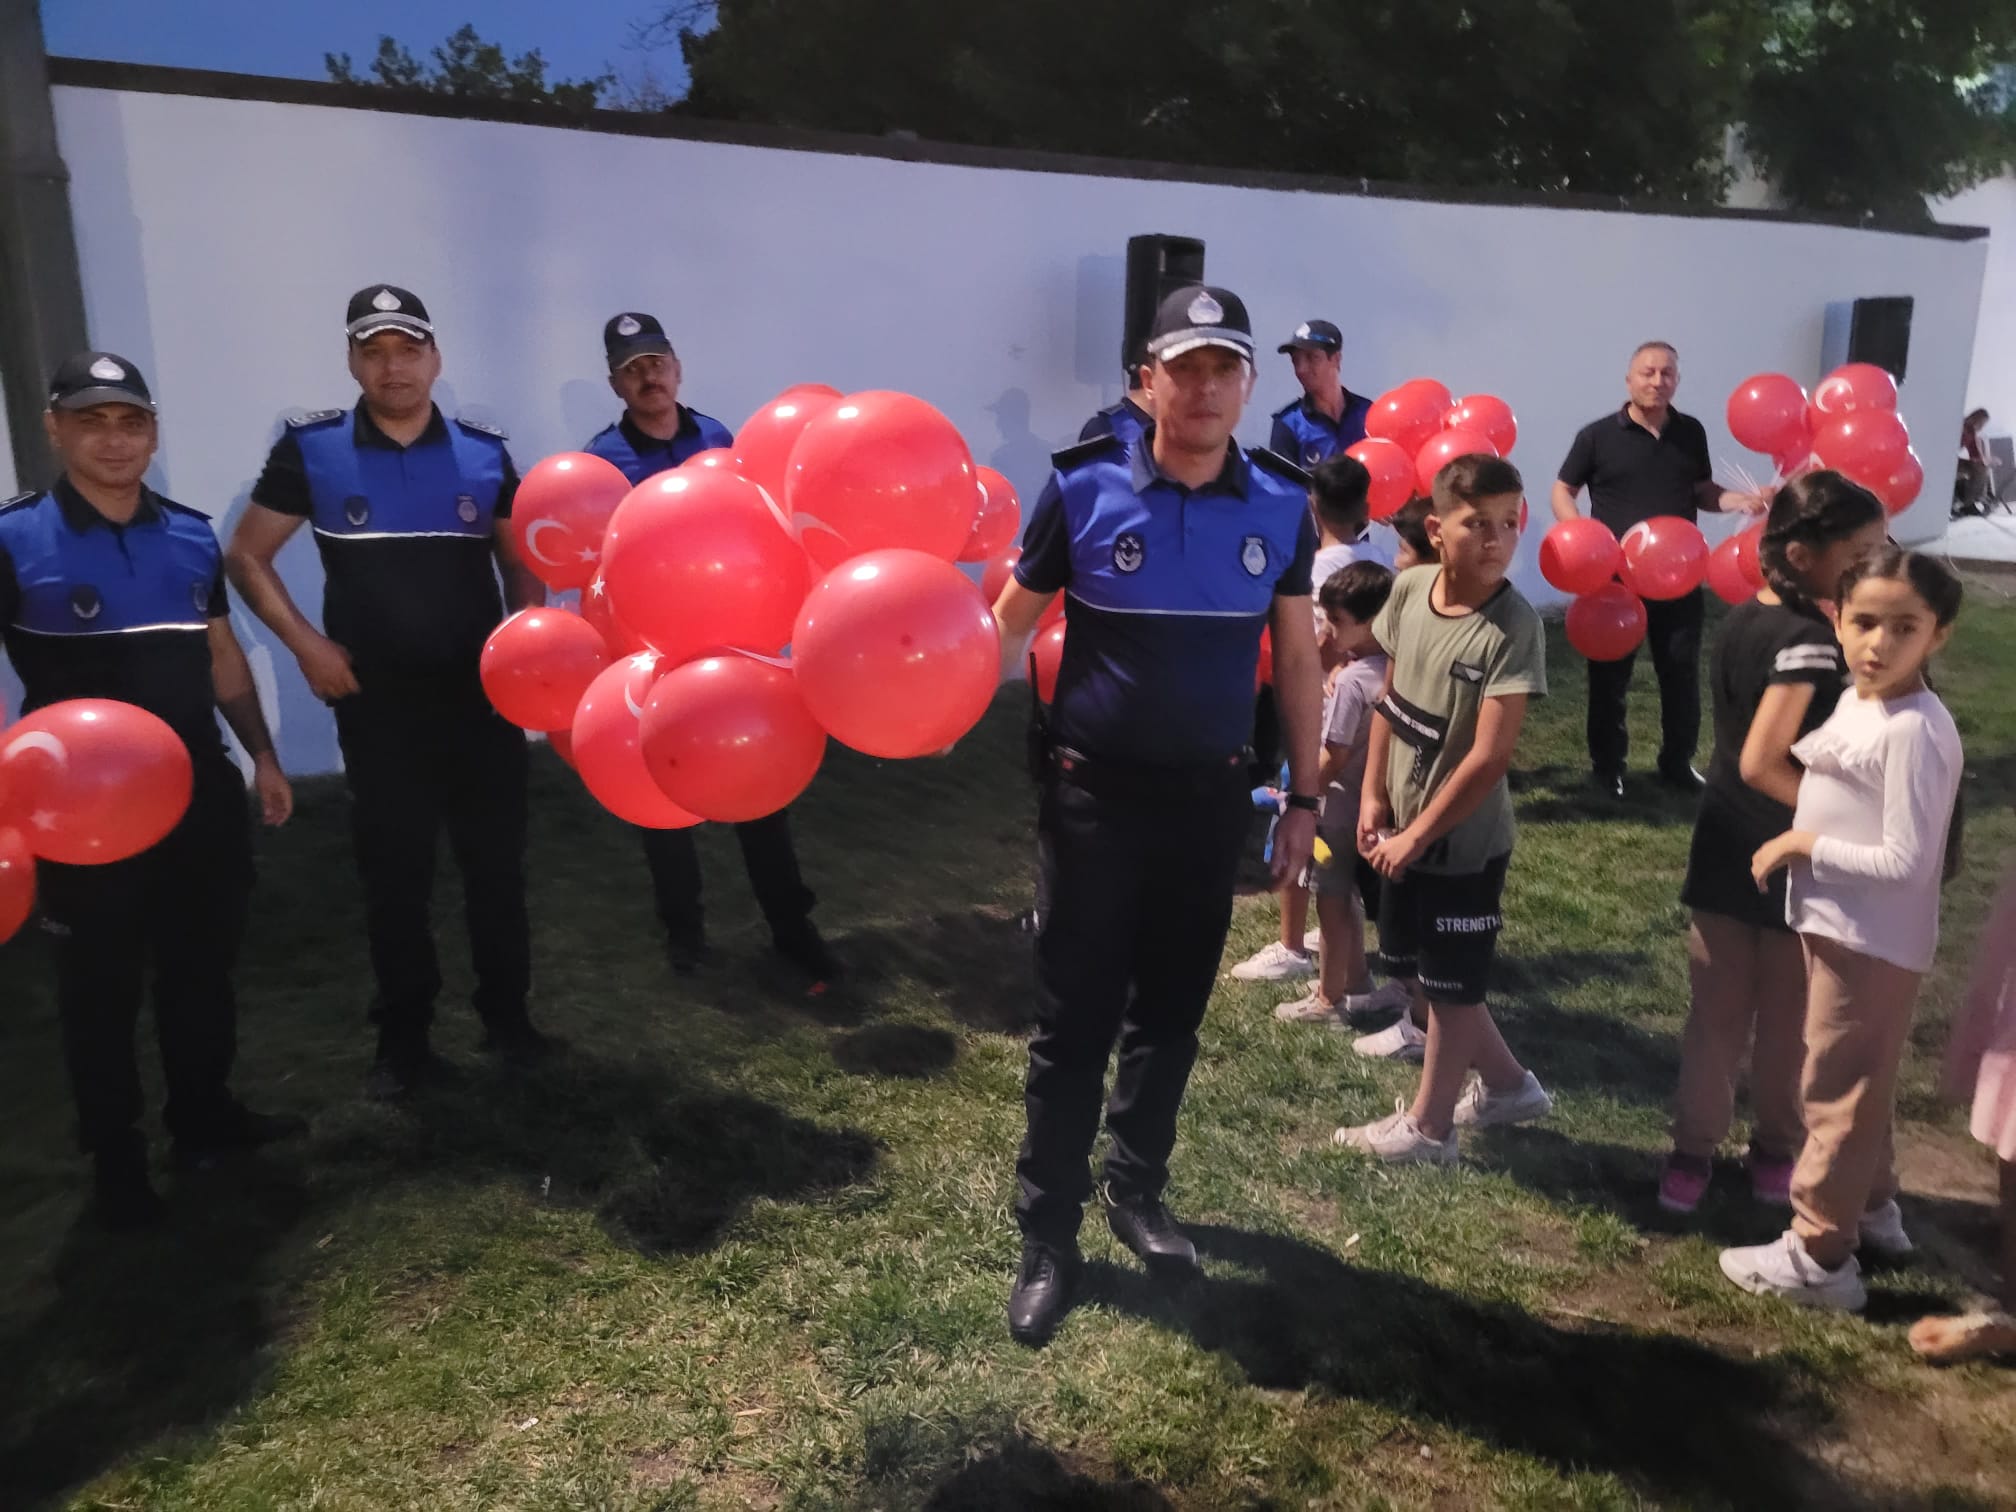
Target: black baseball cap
[
  {"x": 387, "y": 307},
  {"x": 93, "y": 378},
  {"x": 632, "y": 335},
  {"x": 1200, "y": 315},
  {"x": 1314, "y": 336}
]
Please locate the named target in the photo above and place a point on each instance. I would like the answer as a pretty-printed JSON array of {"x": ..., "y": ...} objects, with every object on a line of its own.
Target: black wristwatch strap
[{"x": 1306, "y": 802}]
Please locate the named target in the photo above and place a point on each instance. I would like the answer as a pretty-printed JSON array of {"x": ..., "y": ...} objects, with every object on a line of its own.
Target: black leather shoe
[
  {"x": 1043, "y": 1290},
  {"x": 1143, "y": 1224},
  {"x": 236, "y": 1132},
  {"x": 122, "y": 1198},
  {"x": 517, "y": 1043},
  {"x": 401, "y": 1070},
  {"x": 802, "y": 945},
  {"x": 686, "y": 953},
  {"x": 1608, "y": 784},
  {"x": 1682, "y": 779}
]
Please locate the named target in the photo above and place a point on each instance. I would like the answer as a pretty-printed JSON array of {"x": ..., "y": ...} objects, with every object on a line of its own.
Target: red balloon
[
  {"x": 601, "y": 613},
  {"x": 559, "y": 514},
  {"x": 94, "y": 781},
  {"x": 1489, "y": 416},
  {"x": 562, "y": 742},
  {"x": 1665, "y": 557},
  {"x": 608, "y": 750},
  {"x": 1746, "y": 555},
  {"x": 1392, "y": 470},
  {"x": 1263, "y": 671},
  {"x": 538, "y": 663},
  {"x": 999, "y": 518},
  {"x": 1524, "y": 515},
  {"x": 1579, "y": 555},
  {"x": 1726, "y": 577},
  {"x": 1899, "y": 487},
  {"x": 1432, "y": 389},
  {"x": 702, "y": 561},
  {"x": 815, "y": 390},
  {"x": 996, "y": 576},
  {"x": 17, "y": 883},
  {"x": 881, "y": 469},
  {"x": 1867, "y": 445},
  {"x": 1407, "y": 416},
  {"x": 1852, "y": 386},
  {"x": 1797, "y": 458},
  {"x": 714, "y": 456},
  {"x": 1443, "y": 448},
  {"x": 763, "y": 445},
  {"x": 730, "y": 739},
  {"x": 896, "y": 654},
  {"x": 1606, "y": 625},
  {"x": 1048, "y": 655},
  {"x": 1767, "y": 413}
]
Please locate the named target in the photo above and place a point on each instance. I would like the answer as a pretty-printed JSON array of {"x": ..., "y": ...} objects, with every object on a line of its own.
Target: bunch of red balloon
[
  {"x": 831, "y": 529},
  {"x": 1662, "y": 558},
  {"x": 1850, "y": 424},
  {"x": 1413, "y": 430},
  {"x": 85, "y": 783}
]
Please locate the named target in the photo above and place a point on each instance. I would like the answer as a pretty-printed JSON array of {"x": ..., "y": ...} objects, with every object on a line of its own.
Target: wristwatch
[{"x": 1305, "y": 802}]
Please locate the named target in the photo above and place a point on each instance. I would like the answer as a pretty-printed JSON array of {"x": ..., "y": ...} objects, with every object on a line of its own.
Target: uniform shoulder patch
[
  {"x": 19, "y": 499},
  {"x": 182, "y": 509},
  {"x": 312, "y": 417},
  {"x": 1087, "y": 451},
  {"x": 481, "y": 427},
  {"x": 1287, "y": 409},
  {"x": 1274, "y": 462}
]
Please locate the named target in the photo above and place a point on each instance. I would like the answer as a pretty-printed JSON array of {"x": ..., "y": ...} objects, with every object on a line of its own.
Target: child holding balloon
[
  {"x": 1867, "y": 851},
  {"x": 1774, "y": 677}
]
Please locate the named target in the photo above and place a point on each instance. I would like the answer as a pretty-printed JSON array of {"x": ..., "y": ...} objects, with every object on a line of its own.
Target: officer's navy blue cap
[
  {"x": 387, "y": 307},
  {"x": 632, "y": 335},
  {"x": 1199, "y": 315},
  {"x": 92, "y": 378},
  {"x": 1314, "y": 336}
]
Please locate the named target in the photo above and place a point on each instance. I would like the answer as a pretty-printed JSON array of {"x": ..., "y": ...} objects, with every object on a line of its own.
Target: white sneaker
[
  {"x": 1379, "y": 1000},
  {"x": 1310, "y": 1008},
  {"x": 1782, "y": 1268},
  {"x": 1397, "y": 1140},
  {"x": 1275, "y": 963},
  {"x": 1479, "y": 1107},
  {"x": 1882, "y": 1231},
  {"x": 1399, "y": 1041},
  {"x": 1312, "y": 941}
]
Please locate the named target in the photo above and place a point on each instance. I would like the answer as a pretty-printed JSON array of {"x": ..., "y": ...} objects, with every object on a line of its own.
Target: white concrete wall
[
  {"x": 1992, "y": 379},
  {"x": 220, "y": 240}
]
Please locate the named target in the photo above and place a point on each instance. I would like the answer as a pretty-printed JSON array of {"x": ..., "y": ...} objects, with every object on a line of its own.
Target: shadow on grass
[
  {"x": 1023, "y": 1476},
  {"x": 977, "y": 961},
  {"x": 1565, "y": 795},
  {"x": 1625, "y": 1181},
  {"x": 1666, "y": 1414},
  {"x": 1589, "y": 1052},
  {"x": 910, "y": 1051}
]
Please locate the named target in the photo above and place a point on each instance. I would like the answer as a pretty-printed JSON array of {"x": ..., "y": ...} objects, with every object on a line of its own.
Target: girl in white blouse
[{"x": 1867, "y": 853}]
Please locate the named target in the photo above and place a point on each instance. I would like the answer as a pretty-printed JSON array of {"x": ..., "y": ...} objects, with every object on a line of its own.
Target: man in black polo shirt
[
  {"x": 1648, "y": 459},
  {"x": 404, "y": 506}
]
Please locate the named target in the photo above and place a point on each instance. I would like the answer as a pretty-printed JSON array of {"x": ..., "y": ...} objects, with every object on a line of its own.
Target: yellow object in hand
[{"x": 1321, "y": 852}]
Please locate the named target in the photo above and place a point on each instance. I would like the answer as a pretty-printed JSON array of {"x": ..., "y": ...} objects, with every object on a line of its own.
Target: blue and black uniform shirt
[
  {"x": 93, "y": 609},
  {"x": 1126, "y": 420},
  {"x": 638, "y": 456},
  {"x": 405, "y": 536},
  {"x": 1305, "y": 435},
  {"x": 1169, "y": 590}
]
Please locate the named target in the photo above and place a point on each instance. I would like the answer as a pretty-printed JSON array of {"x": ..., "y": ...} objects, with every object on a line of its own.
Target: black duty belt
[{"x": 1130, "y": 779}]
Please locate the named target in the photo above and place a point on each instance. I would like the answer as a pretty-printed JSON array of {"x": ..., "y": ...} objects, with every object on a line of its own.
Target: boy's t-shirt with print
[
  {"x": 1444, "y": 667},
  {"x": 1347, "y": 713}
]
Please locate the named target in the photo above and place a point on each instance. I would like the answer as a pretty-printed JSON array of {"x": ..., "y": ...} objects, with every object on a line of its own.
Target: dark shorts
[
  {"x": 1718, "y": 874},
  {"x": 1443, "y": 930}
]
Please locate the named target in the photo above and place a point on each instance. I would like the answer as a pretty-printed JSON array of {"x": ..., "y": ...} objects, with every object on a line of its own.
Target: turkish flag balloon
[
  {"x": 1898, "y": 487},
  {"x": 1445, "y": 447},
  {"x": 881, "y": 469},
  {"x": 1606, "y": 625},
  {"x": 559, "y": 514},
  {"x": 713, "y": 457},
  {"x": 601, "y": 613},
  {"x": 1392, "y": 470},
  {"x": 896, "y": 654},
  {"x": 999, "y": 518},
  {"x": 699, "y": 561},
  {"x": 995, "y": 578},
  {"x": 1867, "y": 445},
  {"x": 1579, "y": 555},
  {"x": 94, "y": 781},
  {"x": 1725, "y": 572},
  {"x": 1048, "y": 655},
  {"x": 1746, "y": 555},
  {"x": 17, "y": 883},
  {"x": 608, "y": 750},
  {"x": 763, "y": 445},
  {"x": 538, "y": 663},
  {"x": 1407, "y": 416},
  {"x": 1852, "y": 386},
  {"x": 1767, "y": 413},
  {"x": 729, "y": 738},
  {"x": 1486, "y": 414},
  {"x": 1665, "y": 557}
]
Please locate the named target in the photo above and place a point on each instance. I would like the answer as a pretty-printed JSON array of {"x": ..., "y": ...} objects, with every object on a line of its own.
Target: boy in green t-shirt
[{"x": 1435, "y": 820}]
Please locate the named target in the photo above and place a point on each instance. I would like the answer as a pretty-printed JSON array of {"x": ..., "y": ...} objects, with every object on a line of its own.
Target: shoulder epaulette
[
  {"x": 1274, "y": 462},
  {"x": 311, "y": 417},
  {"x": 481, "y": 427},
  {"x": 21, "y": 498},
  {"x": 1282, "y": 413},
  {"x": 182, "y": 509},
  {"x": 1086, "y": 451}
]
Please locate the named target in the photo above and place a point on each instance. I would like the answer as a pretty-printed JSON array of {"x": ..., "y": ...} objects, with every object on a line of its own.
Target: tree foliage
[{"x": 468, "y": 67}]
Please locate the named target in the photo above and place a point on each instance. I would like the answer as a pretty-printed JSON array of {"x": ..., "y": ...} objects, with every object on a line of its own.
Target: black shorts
[
  {"x": 1442, "y": 930},
  {"x": 1718, "y": 873}
]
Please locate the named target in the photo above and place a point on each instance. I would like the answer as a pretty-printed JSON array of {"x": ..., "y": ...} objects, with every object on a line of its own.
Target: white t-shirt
[
  {"x": 1881, "y": 777},
  {"x": 1331, "y": 559}
]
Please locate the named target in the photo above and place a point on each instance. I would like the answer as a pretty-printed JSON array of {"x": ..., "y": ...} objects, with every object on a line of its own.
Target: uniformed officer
[
  {"x": 404, "y": 506},
  {"x": 1328, "y": 418},
  {"x": 1176, "y": 554},
  {"x": 1125, "y": 419},
  {"x": 108, "y": 590},
  {"x": 656, "y": 432}
]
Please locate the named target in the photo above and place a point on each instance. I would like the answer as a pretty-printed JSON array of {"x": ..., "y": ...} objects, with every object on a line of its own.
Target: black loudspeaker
[
  {"x": 1155, "y": 265},
  {"x": 1869, "y": 330}
]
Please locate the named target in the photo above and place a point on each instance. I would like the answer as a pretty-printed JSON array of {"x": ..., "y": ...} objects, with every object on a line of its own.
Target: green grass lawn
[{"x": 747, "y": 1248}]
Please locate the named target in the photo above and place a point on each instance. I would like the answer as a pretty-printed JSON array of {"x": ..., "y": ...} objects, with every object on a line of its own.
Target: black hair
[
  {"x": 1410, "y": 524},
  {"x": 1976, "y": 416},
  {"x": 1339, "y": 486},
  {"x": 1474, "y": 476},
  {"x": 1358, "y": 589},
  {"x": 1813, "y": 510}
]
